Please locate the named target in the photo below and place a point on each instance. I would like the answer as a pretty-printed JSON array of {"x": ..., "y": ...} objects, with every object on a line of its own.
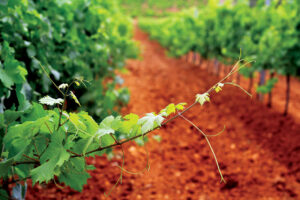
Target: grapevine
[{"x": 53, "y": 143}]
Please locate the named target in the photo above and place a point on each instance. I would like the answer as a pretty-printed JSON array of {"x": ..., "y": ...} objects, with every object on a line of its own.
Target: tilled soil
[{"x": 259, "y": 152}]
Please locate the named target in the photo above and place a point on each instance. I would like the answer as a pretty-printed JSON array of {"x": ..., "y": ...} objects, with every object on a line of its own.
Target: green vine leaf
[
  {"x": 180, "y": 106},
  {"x": 19, "y": 137},
  {"x": 75, "y": 176},
  {"x": 11, "y": 116},
  {"x": 202, "y": 98},
  {"x": 129, "y": 125},
  {"x": 76, "y": 121},
  {"x": 5, "y": 79},
  {"x": 106, "y": 140},
  {"x": 34, "y": 113},
  {"x": 91, "y": 126},
  {"x": 43, "y": 173},
  {"x": 267, "y": 87},
  {"x": 150, "y": 121},
  {"x": 54, "y": 157},
  {"x": 105, "y": 127},
  {"x": 133, "y": 118},
  {"x": 47, "y": 100},
  {"x": 5, "y": 167},
  {"x": 171, "y": 108}
]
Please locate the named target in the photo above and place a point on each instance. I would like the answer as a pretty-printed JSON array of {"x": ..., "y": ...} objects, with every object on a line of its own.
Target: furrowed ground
[{"x": 258, "y": 152}]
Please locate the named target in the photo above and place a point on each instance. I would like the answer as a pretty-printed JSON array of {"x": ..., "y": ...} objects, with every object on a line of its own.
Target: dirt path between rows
[{"x": 259, "y": 153}]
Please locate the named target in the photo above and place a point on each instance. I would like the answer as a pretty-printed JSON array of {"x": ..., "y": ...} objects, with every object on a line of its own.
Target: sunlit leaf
[
  {"x": 180, "y": 106},
  {"x": 150, "y": 121},
  {"x": 105, "y": 127},
  {"x": 202, "y": 98},
  {"x": 63, "y": 86},
  {"x": 51, "y": 101}
]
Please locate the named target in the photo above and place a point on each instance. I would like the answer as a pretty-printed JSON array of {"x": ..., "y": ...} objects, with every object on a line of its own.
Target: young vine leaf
[
  {"x": 47, "y": 100},
  {"x": 180, "y": 106},
  {"x": 129, "y": 125},
  {"x": 171, "y": 108},
  {"x": 63, "y": 86},
  {"x": 105, "y": 127},
  {"x": 150, "y": 121},
  {"x": 202, "y": 98}
]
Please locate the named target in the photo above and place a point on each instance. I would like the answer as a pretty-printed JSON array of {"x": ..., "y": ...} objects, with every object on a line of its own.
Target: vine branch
[
  {"x": 25, "y": 163},
  {"x": 208, "y": 142},
  {"x": 36, "y": 160},
  {"x": 234, "y": 69}
]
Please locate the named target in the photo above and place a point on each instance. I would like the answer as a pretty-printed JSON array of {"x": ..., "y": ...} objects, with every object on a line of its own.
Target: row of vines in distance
[
  {"x": 156, "y": 7},
  {"x": 266, "y": 34}
]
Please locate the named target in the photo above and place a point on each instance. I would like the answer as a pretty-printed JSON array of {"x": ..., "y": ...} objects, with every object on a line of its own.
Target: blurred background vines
[
  {"x": 85, "y": 38},
  {"x": 157, "y": 8},
  {"x": 265, "y": 31}
]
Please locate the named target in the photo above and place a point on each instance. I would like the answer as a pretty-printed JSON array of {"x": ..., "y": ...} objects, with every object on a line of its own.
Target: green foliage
[
  {"x": 89, "y": 39},
  {"x": 47, "y": 42},
  {"x": 74, "y": 174},
  {"x": 267, "y": 87},
  {"x": 105, "y": 127},
  {"x": 270, "y": 35},
  {"x": 5, "y": 167},
  {"x": 53, "y": 143},
  {"x": 43, "y": 42},
  {"x": 173, "y": 32},
  {"x": 156, "y": 7}
]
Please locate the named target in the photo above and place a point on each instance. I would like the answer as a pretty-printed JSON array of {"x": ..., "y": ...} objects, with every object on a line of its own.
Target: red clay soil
[{"x": 259, "y": 153}]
